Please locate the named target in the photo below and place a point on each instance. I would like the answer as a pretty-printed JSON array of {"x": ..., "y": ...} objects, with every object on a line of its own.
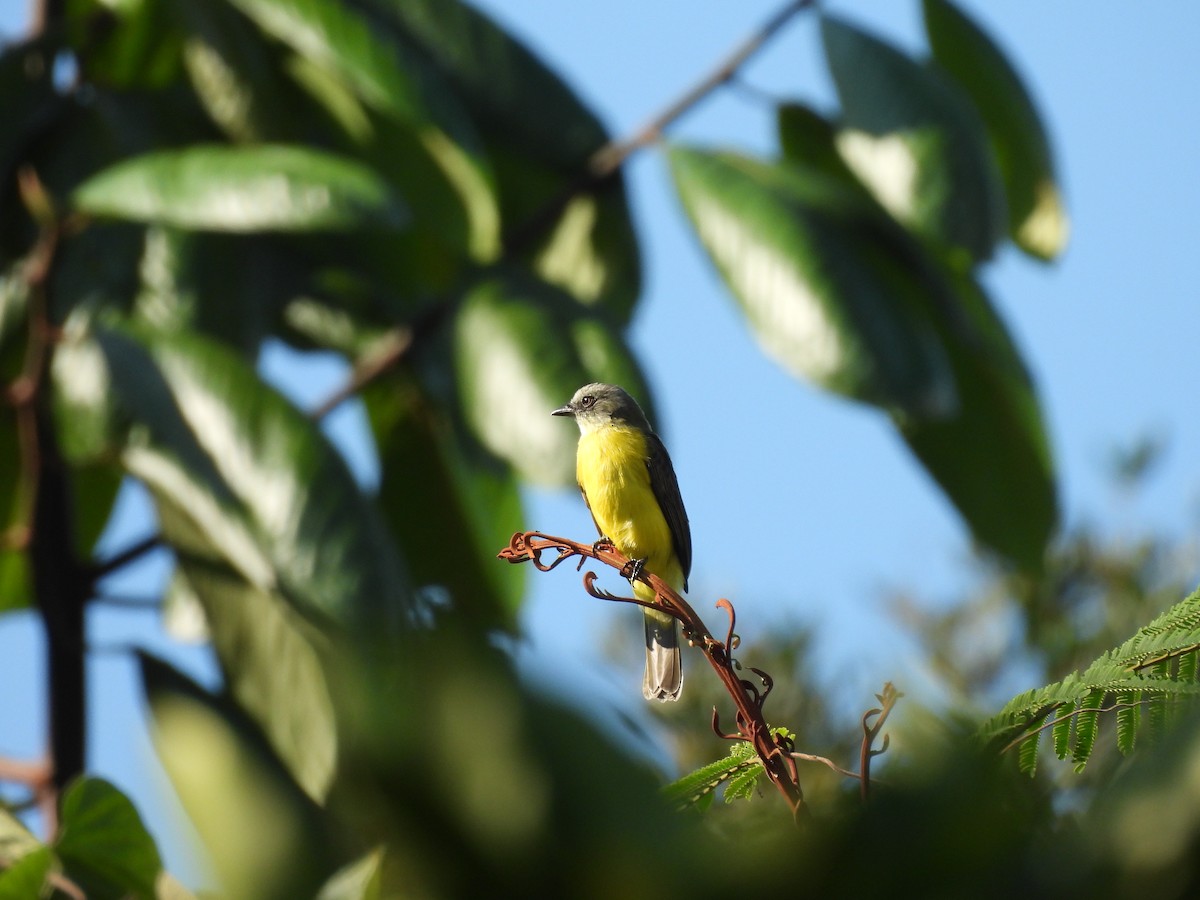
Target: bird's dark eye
[{"x": 586, "y": 402}]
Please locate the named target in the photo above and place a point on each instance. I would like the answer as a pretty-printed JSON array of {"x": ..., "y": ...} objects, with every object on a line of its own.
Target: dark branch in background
[
  {"x": 600, "y": 167},
  {"x": 125, "y": 557},
  {"x": 61, "y": 582},
  {"x": 773, "y": 749}
]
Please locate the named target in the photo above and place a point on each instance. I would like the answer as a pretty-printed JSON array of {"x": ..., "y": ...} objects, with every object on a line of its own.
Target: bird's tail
[{"x": 664, "y": 669}]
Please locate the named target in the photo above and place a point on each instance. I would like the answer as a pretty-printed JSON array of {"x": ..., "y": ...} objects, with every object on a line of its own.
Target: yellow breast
[{"x": 611, "y": 469}]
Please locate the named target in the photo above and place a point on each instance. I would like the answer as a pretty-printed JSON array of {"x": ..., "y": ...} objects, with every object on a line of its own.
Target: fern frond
[
  {"x": 1087, "y": 726},
  {"x": 741, "y": 786},
  {"x": 1027, "y": 754},
  {"x": 1158, "y": 666},
  {"x": 1128, "y": 718},
  {"x": 1062, "y": 734},
  {"x": 698, "y": 787}
]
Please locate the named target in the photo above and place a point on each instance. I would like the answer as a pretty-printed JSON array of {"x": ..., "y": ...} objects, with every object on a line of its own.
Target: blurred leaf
[
  {"x": 541, "y": 137},
  {"x": 239, "y": 474},
  {"x": 437, "y": 153},
  {"x": 271, "y": 659},
  {"x": 185, "y": 284},
  {"x": 16, "y": 841},
  {"x": 508, "y": 89},
  {"x": 263, "y": 835},
  {"x": 103, "y": 845},
  {"x": 1037, "y": 218},
  {"x": 521, "y": 349},
  {"x": 828, "y": 283},
  {"x": 359, "y": 880},
  {"x": 808, "y": 138},
  {"x": 241, "y": 189},
  {"x": 26, "y": 878},
  {"x": 127, "y": 44},
  {"x": 992, "y": 457},
  {"x": 916, "y": 141},
  {"x": 450, "y": 505},
  {"x": 238, "y": 77}
]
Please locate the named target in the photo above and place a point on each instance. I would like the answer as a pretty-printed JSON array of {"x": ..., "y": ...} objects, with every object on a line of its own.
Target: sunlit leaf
[
  {"x": 1037, "y": 218},
  {"x": 272, "y": 661},
  {"x": 915, "y": 140},
  {"x": 828, "y": 283},
  {"x": 262, "y": 833},
  {"x": 521, "y": 349},
  {"x": 246, "y": 478},
  {"x": 541, "y": 137},
  {"x": 431, "y": 137},
  {"x": 27, "y": 876},
  {"x": 243, "y": 189},
  {"x": 359, "y": 880}
]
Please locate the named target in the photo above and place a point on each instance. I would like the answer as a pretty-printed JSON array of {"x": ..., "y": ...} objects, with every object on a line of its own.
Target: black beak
[{"x": 567, "y": 410}]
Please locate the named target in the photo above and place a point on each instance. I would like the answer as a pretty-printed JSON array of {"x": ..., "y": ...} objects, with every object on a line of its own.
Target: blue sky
[{"x": 803, "y": 506}]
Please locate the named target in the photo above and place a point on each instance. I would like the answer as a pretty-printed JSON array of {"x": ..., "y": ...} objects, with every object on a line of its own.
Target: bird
[{"x": 629, "y": 485}]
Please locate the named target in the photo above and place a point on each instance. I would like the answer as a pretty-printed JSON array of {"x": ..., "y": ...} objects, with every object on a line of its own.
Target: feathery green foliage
[{"x": 1154, "y": 668}]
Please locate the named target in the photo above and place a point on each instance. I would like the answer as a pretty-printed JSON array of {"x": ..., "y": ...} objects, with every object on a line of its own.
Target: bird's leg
[
  {"x": 605, "y": 543},
  {"x": 633, "y": 569}
]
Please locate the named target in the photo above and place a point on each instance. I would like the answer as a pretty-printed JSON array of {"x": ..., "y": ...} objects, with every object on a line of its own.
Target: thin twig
[
  {"x": 126, "y": 556},
  {"x": 809, "y": 757},
  {"x": 887, "y": 698}
]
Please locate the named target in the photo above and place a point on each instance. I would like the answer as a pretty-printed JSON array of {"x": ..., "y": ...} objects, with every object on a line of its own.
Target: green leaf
[
  {"x": 1062, "y": 732},
  {"x": 273, "y": 664},
  {"x": 1187, "y": 665},
  {"x": 697, "y": 788},
  {"x": 1037, "y": 218},
  {"x": 1027, "y": 754},
  {"x": 26, "y": 878},
  {"x": 238, "y": 77},
  {"x": 138, "y": 48},
  {"x": 1140, "y": 664},
  {"x": 808, "y": 138},
  {"x": 437, "y": 146},
  {"x": 1087, "y": 726},
  {"x": 915, "y": 140},
  {"x": 541, "y": 137},
  {"x": 239, "y": 475},
  {"x": 992, "y": 456},
  {"x": 16, "y": 841},
  {"x": 358, "y": 880},
  {"x": 743, "y": 785},
  {"x": 264, "y": 836},
  {"x": 103, "y": 845},
  {"x": 185, "y": 283},
  {"x": 830, "y": 286},
  {"x": 243, "y": 189},
  {"x": 436, "y": 485},
  {"x": 521, "y": 349},
  {"x": 1128, "y": 716}
]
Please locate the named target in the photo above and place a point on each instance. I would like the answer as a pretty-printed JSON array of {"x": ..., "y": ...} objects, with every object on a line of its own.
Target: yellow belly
[{"x": 611, "y": 469}]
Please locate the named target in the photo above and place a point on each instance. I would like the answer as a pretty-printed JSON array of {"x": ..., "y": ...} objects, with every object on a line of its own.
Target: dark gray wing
[{"x": 666, "y": 490}]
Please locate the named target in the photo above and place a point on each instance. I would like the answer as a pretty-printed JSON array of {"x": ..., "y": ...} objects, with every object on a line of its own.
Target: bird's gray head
[{"x": 596, "y": 405}]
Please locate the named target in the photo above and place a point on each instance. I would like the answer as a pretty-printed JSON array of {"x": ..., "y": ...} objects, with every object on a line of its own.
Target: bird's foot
[
  {"x": 633, "y": 569},
  {"x": 605, "y": 544}
]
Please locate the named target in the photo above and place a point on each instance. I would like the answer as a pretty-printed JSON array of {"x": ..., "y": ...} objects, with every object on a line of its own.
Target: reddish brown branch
[
  {"x": 887, "y": 699},
  {"x": 774, "y": 750}
]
